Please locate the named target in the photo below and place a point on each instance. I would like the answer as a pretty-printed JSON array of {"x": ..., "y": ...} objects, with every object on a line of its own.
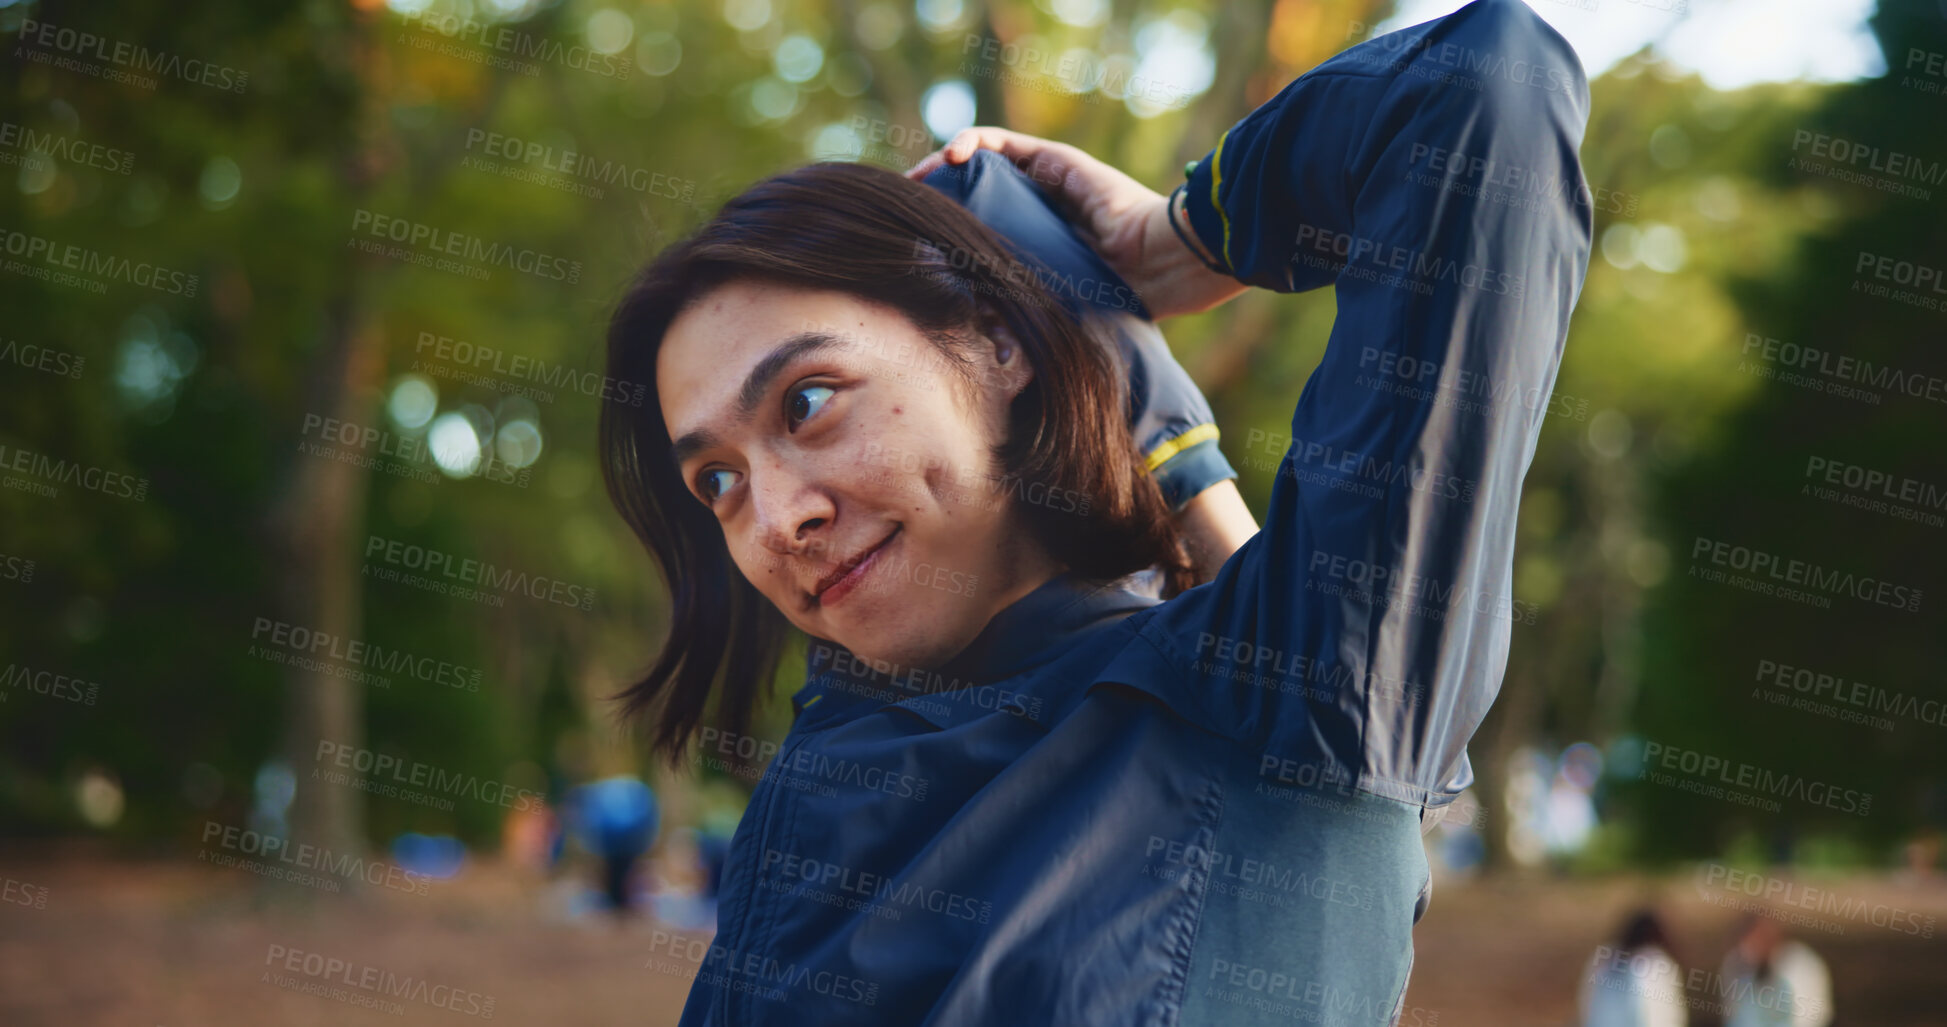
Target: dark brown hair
[{"x": 881, "y": 237}]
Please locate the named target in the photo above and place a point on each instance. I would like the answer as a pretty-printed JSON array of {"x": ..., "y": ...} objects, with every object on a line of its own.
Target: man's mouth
[{"x": 846, "y": 576}]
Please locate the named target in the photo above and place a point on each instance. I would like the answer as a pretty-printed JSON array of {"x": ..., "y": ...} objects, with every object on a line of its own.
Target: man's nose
[{"x": 790, "y": 510}]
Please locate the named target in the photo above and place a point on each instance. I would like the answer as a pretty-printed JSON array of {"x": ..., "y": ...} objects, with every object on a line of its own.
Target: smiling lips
[{"x": 846, "y": 576}]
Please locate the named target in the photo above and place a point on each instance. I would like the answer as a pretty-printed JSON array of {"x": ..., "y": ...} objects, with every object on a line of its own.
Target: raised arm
[
  {"x": 1432, "y": 176},
  {"x": 1169, "y": 418}
]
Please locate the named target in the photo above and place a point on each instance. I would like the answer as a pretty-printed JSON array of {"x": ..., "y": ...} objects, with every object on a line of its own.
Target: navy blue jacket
[{"x": 1110, "y": 810}]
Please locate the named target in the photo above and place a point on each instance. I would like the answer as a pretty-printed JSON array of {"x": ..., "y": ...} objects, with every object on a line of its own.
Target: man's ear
[{"x": 1004, "y": 360}]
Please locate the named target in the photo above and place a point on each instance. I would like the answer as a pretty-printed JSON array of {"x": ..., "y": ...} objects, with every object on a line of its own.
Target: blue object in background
[
  {"x": 433, "y": 855},
  {"x": 614, "y": 818}
]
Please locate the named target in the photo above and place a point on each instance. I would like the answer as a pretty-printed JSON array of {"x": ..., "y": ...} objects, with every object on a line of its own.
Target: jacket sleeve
[
  {"x": 1432, "y": 176},
  {"x": 1168, "y": 415}
]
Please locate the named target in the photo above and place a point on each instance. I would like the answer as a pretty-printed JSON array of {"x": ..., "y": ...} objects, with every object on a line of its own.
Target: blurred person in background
[
  {"x": 1774, "y": 981},
  {"x": 615, "y": 818},
  {"x": 529, "y": 836},
  {"x": 1634, "y": 981}
]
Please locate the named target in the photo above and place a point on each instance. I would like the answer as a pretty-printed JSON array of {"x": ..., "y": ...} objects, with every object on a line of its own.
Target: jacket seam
[{"x": 1186, "y": 924}]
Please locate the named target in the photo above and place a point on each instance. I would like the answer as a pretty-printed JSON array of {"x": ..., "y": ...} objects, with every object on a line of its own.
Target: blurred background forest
[{"x": 152, "y": 636}]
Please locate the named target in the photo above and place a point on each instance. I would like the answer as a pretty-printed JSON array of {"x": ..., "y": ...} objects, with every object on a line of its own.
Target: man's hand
[{"x": 1127, "y": 222}]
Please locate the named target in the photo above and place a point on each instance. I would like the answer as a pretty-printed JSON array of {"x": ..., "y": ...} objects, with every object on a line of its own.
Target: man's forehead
[
  {"x": 733, "y": 327},
  {"x": 723, "y": 393},
  {"x": 778, "y": 307}
]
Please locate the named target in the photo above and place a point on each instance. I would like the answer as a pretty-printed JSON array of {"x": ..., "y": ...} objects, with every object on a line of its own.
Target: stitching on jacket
[{"x": 1181, "y": 938}]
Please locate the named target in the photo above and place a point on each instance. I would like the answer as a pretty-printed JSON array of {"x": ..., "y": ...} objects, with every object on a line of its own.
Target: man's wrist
[
  {"x": 1177, "y": 210},
  {"x": 1176, "y": 278}
]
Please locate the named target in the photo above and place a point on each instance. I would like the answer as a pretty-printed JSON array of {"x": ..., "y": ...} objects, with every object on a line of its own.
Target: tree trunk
[{"x": 317, "y": 524}]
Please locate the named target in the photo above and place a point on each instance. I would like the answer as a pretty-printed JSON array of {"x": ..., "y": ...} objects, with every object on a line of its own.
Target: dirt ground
[
  {"x": 86, "y": 939},
  {"x": 1511, "y": 952}
]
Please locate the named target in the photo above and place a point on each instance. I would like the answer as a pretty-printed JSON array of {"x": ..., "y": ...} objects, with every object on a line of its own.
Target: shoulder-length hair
[{"x": 881, "y": 237}]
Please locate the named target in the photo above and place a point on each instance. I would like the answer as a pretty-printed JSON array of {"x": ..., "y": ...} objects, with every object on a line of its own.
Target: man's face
[{"x": 850, "y": 465}]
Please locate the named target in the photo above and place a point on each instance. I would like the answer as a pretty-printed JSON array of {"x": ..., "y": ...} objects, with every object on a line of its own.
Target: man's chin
[
  {"x": 897, "y": 629},
  {"x": 898, "y": 656}
]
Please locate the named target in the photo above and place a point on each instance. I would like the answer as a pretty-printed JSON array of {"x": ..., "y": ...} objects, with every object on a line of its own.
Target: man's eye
[
  {"x": 712, "y": 483},
  {"x": 805, "y": 402}
]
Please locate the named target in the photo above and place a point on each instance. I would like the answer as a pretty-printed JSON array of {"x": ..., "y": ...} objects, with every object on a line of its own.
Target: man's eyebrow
[{"x": 756, "y": 385}]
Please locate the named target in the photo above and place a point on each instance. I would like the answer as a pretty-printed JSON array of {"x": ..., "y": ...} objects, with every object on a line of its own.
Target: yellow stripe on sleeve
[
  {"x": 1161, "y": 454},
  {"x": 1216, "y": 179}
]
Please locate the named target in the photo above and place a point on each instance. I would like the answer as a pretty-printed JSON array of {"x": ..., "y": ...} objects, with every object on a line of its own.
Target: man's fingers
[
  {"x": 957, "y": 150},
  {"x": 926, "y": 165},
  {"x": 1015, "y": 146}
]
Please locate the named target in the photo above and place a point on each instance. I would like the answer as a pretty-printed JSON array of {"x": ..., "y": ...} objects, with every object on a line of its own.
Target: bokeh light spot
[
  {"x": 658, "y": 53},
  {"x": 1082, "y": 13},
  {"x": 454, "y": 444},
  {"x": 940, "y": 15},
  {"x": 609, "y": 31},
  {"x": 773, "y": 99},
  {"x": 37, "y": 174},
  {"x": 797, "y": 58},
  {"x": 1663, "y": 248},
  {"x": 221, "y": 182},
  {"x": 98, "y": 797},
  {"x": 948, "y": 107},
  {"x": 747, "y": 15},
  {"x": 412, "y": 402},
  {"x": 1619, "y": 246},
  {"x": 518, "y": 443},
  {"x": 836, "y": 141}
]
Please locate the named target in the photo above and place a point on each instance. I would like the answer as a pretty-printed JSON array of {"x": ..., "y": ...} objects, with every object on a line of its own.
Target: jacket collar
[{"x": 1034, "y": 629}]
